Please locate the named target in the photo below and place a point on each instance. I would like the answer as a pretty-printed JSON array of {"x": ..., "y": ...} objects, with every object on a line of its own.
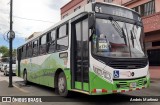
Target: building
[
  {"x": 150, "y": 12},
  {"x": 33, "y": 35}
]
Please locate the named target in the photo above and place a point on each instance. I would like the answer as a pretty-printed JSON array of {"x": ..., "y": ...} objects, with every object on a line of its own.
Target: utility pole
[{"x": 11, "y": 37}]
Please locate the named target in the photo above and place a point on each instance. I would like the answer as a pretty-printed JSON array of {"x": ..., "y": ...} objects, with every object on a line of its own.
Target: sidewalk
[
  {"x": 15, "y": 91},
  {"x": 154, "y": 72}
]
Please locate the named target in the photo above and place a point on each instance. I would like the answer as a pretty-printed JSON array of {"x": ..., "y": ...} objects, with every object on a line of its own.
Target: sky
[{"x": 23, "y": 10}]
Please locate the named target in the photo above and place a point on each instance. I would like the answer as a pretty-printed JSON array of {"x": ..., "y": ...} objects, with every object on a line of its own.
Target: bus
[{"x": 99, "y": 49}]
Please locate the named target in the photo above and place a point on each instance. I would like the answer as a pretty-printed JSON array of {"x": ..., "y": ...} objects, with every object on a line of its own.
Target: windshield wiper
[
  {"x": 132, "y": 35},
  {"x": 118, "y": 29},
  {"x": 132, "y": 38}
]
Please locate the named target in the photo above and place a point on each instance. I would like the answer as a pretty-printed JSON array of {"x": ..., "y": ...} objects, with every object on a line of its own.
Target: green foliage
[
  {"x": 6, "y": 54},
  {"x": 5, "y": 51},
  {"x": 14, "y": 52}
]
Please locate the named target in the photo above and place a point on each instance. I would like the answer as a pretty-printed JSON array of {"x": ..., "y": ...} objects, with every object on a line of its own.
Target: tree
[
  {"x": 5, "y": 51},
  {"x": 6, "y": 54},
  {"x": 14, "y": 53}
]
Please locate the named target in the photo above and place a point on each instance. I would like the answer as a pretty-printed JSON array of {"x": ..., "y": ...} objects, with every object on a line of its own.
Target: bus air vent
[{"x": 128, "y": 63}]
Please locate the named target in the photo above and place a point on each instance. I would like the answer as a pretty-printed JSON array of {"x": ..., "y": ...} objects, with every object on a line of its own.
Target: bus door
[
  {"x": 80, "y": 55},
  {"x": 19, "y": 60}
]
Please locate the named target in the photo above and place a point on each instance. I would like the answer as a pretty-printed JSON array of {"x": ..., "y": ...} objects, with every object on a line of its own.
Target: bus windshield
[{"x": 117, "y": 39}]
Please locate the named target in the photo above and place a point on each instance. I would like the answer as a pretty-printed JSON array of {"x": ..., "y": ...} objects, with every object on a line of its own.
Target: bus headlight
[{"x": 103, "y": 73}]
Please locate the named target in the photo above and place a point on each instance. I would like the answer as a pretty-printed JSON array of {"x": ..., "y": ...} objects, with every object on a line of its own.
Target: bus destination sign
[{"x": 117, "y": 11}]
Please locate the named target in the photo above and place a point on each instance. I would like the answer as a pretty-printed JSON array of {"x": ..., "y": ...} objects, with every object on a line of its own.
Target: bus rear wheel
[
  {"x": 25, "y": 78},
  {"x": 62, "y": 85}
]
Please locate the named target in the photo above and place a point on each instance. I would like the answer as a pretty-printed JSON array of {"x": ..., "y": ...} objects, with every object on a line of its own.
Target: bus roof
[
  {"x": 85, "y": 9},
  {"x": 81, "y": 10}
]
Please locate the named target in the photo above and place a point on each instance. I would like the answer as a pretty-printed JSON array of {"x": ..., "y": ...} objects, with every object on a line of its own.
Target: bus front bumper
[{"x": 120, "y": 86}]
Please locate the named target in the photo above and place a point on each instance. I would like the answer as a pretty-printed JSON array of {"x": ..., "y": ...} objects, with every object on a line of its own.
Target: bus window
[
  {"x": 29, "y": 50},
  {"x": 24, "y": 52},
  {"x": 62, "y": 31},
  {"x": 51, "y": 41},
  {"x": 19, "y": 56},
  {"x": 62, "y": 44},
  {"x": 43, "y": 44},
  {"x": 62, "y": 41},
  {"x": 35, "y": 48},
  {"x": 53, "y": 35}
]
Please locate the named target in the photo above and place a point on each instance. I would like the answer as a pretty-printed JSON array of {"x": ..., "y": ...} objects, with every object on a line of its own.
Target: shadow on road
[{"x": 78, "y": 97}]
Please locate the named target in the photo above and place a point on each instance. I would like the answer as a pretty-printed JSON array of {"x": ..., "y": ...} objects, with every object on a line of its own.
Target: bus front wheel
[{"x": 62, "y": 85}]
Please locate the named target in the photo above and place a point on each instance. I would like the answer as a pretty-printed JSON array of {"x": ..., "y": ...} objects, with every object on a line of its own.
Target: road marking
[{"x": 25, "y": 91}]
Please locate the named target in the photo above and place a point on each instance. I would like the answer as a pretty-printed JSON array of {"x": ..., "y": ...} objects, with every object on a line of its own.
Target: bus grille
[
  {"x": 124, "y": 84},
  {"x": 128, "y": 64}
]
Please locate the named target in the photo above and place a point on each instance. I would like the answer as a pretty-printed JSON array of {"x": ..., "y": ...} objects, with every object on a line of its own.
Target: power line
[
  {"x": 3, "y": 25},
  {"x": 32, "y": 19}
]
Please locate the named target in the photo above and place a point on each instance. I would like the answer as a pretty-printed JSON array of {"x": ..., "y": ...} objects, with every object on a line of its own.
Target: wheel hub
[{"x": 61, "y": 84}]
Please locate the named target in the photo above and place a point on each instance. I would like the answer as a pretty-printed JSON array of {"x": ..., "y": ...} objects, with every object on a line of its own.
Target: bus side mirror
[{"x": 91, "y": 21}]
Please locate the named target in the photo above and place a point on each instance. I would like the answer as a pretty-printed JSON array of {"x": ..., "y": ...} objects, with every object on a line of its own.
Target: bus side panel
[
  {"x": 41, "y": 69},
  {"x": 98, "y": 83},
  {"x": 23, "y": 65},
  {"x": 52, "y": 63},
  {"x": 68, "y": 77}
]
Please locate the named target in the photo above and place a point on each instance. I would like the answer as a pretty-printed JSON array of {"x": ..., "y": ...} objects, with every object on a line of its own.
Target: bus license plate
[{"x": 133, "y": 85}]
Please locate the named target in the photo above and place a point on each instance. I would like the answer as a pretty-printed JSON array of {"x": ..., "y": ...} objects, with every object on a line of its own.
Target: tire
[
  {"x": 62, "y": 85},
  {"x": 25, "y": 78}
]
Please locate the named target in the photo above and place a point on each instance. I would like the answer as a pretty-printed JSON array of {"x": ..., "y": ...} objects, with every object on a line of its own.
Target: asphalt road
[{"x": 77, "y": 99}]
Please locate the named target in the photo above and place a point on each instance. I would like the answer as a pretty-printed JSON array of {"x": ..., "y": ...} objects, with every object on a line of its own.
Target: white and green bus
[{"x": 98, "y": 49}]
